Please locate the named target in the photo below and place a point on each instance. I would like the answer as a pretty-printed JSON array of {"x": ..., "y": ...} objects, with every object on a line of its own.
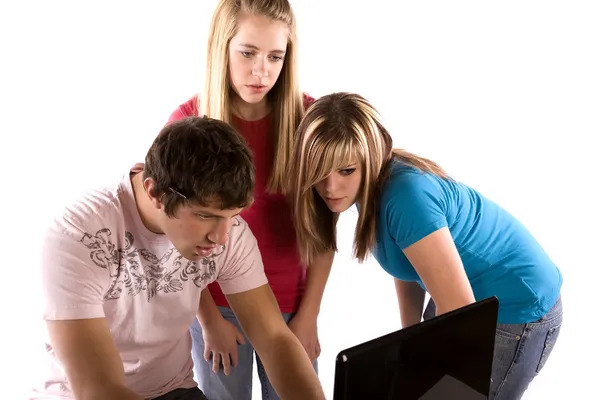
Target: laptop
[{"x": 447, "y": 357}]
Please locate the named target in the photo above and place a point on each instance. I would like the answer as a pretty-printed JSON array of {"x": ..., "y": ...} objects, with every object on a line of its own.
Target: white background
[{"x": 504, "y": 95}]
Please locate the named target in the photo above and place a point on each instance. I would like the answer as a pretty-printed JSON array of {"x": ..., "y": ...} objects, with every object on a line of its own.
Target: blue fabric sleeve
[{"x": 415, "y": 206}]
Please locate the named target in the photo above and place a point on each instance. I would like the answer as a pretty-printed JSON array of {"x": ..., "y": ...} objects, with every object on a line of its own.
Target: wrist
[
  {"x": 209, "y": 317},
  {"x": 308, "y": 312}
]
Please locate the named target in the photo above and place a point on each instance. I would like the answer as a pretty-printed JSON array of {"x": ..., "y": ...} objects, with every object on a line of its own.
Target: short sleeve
[
  {"x": 307, "y": 100},
  {"x": 187, "y": 109},
  {"x": 72, "y": 277},
  {"x": 243, "y": 268},
  {"x": 414, "y": 207}
]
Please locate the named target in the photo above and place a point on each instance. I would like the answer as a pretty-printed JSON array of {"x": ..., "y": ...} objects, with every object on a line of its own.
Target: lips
[
  {"x": 204, "y": 251},
  {"x": 257, "y": 89}
]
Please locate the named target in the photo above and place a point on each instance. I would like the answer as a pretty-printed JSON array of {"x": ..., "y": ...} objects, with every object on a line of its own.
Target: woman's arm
[
  {"x": 317, "y": 275},
  {"x": 436, "y": 260},
  {"x": 411, "y": 298},
  {"x": 304, "y": 323}
]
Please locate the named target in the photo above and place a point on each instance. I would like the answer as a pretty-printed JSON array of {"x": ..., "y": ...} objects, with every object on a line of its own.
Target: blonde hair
[
  {"x": 285, "y": 97},
  {"x": 339, "y": 129}
]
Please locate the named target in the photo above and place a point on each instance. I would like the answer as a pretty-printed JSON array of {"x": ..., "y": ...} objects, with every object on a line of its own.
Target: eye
[
  {"x": 276, "y": 58},
  {"x": 202, "y": 216},
  {"x": 347, "y": 171},
  {"x": 246, "y": 54}
]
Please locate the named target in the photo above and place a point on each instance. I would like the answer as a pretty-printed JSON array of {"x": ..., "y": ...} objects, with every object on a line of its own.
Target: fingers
[
  {"x": 226, "y": 361},
  {"x": 239, "y": 336},
  {"x": 216, "y": 361},
  {"x": 317, "y": 351},
  {"x": 234, "y": 357},
  {"x": 207, "y": 353}
]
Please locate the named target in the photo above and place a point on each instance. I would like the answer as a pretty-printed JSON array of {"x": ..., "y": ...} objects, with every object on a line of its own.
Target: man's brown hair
[{"x": 200, "y": 160}]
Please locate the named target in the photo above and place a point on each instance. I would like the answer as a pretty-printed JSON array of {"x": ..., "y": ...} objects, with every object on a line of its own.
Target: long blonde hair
[
  {"x": 285, "y": 97},
  {"x": 336, "y": 130}
]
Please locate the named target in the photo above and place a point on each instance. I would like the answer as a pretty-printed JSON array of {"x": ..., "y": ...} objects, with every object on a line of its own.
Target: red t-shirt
[{"x": 269, "y": 217}]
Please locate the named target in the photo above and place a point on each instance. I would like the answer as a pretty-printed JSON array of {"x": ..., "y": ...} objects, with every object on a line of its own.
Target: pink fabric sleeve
[
  {"x": 73, "y": 277},
  {"x": 243, "y": 269},
  {"x": 187, "y": 109}
]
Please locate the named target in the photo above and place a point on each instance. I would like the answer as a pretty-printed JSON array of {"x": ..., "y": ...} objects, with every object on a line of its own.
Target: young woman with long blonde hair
[
  {"x": 430, "y": 232},
  {"x": 251, "y": 82}
]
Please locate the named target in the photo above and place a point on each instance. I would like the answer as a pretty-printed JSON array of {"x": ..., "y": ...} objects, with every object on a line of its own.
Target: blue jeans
[
  {"x": 238, "y": 384},
  {"x": 520, "y": 351}
]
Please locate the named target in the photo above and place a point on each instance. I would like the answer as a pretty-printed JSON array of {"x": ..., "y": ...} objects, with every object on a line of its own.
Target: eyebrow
[
  {"x": 209, "y": 214},
  {"x": 253, "y": 47}
]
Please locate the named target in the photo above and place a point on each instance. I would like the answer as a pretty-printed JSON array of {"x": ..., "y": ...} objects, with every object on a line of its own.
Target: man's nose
[{"x": 220, "y": 232}]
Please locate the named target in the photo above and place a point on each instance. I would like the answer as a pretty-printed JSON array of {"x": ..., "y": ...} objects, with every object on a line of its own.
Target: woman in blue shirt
[{"x": 428, "y": 231}]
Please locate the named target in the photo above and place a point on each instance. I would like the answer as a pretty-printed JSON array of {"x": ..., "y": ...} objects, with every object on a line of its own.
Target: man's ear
[{"x": 150, "y": 189}]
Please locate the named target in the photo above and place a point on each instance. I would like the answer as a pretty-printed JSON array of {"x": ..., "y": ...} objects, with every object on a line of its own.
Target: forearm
[
  {"x": 109, "y": 392},
  {"x": 317, "y": 275},
  {"x": 100, "y": 381},
  {"x": 207, "y": 309},
  {"x": 411, "y": 298},
  {"x": 90, "y": 359},
  {"x": 300, "y": 382}
]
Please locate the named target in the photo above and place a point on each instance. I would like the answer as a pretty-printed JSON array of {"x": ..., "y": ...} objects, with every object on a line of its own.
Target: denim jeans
[
  {"x": 520, "y": 351},
  {"x": 238, "y": 384}
]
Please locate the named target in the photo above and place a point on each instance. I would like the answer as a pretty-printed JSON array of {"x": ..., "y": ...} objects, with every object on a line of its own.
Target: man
[{"x": 124, "y": 268}]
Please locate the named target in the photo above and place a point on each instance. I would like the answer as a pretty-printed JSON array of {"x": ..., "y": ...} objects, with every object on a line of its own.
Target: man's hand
[
  {"x": 221, "y": 340},
  {"x": 305, "y": 329}
]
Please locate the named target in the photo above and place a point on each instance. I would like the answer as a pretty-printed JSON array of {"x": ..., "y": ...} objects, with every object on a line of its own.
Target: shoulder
[
  {"x": 91, "y": 211},
  {"x": 241, "y": 248},
  {"x": 241, "y": 268},
  {"x": 410, "y": 193},
  {"x": 241, "y": 235},
  {"x": 413, "y": 205},
  {"x": 307, "y": 100},
  {"x": 187, "y": 109},
  {"x": 408, "y": 183}
]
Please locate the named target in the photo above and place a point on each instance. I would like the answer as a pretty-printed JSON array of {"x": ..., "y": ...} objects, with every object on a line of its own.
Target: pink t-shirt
[{"x": 100, "y": 260}]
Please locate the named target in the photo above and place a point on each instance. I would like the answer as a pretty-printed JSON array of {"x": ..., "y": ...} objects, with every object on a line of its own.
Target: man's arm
[
  {"x": 411, "y": 298},
  {"x": 207, "y": 310},
  {"x": 285, "y": 360},
  {"x": 90, "y": 358}
]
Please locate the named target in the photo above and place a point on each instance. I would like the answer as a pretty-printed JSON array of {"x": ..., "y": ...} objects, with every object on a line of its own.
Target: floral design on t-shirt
[{"x": 136, "y": 270}]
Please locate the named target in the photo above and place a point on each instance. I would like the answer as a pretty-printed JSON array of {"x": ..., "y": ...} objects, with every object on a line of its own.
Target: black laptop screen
[{"x": 447, "y": 357}]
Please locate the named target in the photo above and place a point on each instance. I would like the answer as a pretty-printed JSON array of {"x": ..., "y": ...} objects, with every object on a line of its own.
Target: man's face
[{"x": 197, "y": 231}]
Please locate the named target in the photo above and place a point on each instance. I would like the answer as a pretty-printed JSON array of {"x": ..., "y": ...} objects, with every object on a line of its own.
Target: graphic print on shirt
[{"x": 140, "y": 270}]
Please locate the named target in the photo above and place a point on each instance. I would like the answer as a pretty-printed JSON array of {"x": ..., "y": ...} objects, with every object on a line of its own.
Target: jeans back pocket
[{"x": 549, "y": 343}]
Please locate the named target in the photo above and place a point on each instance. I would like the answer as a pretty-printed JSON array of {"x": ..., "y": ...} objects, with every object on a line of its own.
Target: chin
[
  {"x": 254, "y": 98},
  {"x": 191, "y": 256},
  {"x": 340, "y": 209}
]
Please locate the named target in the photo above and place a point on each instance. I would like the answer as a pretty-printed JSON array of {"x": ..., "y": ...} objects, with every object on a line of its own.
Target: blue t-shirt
[{"x": 500, "y": 256}]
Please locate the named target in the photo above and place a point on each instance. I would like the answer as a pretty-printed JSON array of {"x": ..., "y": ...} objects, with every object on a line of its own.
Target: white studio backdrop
[{"x": 504, "y": 95}]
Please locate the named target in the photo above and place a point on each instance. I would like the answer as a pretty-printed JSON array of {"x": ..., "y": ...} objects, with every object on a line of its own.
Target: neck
[
  {"x": 247, "y": 111},
  {"x": 148, "y": 213}
]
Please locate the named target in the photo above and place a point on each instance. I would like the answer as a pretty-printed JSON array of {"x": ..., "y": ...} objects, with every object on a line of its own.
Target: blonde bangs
[{"x": 329, "y": 152}]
